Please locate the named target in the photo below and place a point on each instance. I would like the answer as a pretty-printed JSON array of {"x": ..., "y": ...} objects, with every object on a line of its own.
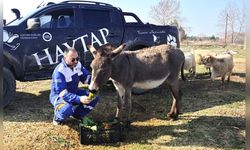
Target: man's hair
[{"x": 67, "y": 50}]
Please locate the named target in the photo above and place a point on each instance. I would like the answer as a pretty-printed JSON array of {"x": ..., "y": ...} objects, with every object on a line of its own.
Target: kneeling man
[{"x": 67, "y": 99}]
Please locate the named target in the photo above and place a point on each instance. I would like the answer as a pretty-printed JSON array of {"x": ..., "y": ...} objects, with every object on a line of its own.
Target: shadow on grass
[
  {"x": 198, "y": 94},
  {"x": 205, "y": 131},
  {"x": 242, "y": 75},
  {"x": 28, "y": 107}
]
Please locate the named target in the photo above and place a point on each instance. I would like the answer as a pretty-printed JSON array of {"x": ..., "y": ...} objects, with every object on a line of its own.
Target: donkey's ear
[
  {"x": 118, "y": 50},
  {"x": 92, "y": 50}
]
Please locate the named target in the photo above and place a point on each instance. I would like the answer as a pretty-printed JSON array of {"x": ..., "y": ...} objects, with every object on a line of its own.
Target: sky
[{"x": 199, "y": 17}]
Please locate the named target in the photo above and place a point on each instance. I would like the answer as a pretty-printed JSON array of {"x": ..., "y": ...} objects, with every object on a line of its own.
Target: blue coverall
[{"x": 65, "y": 94}]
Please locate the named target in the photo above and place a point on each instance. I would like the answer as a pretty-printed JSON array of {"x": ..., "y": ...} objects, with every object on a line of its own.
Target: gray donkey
[{"x": 144, "y": 69}]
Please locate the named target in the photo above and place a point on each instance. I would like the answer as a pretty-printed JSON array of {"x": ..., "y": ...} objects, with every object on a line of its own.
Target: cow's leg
[
  {"x": 212, "y": 78},
  {"x": 190, "y": 72},
  {"x": 121, "y": 93},
  {"x": 222, "y": 81},
  {"x": 229, "y": 75},
  {"x": 209, "y": 71},
  {"x": 194, "y": 71},
  {"x": 176, "y": 94}
]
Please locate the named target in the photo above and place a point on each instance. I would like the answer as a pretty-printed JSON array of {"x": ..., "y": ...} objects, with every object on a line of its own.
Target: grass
[{"x": 210, "y": 119}]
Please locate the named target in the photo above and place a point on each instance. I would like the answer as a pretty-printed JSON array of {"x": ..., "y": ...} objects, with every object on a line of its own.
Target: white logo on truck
[
  {"x": 47, "y": 36},
  {"x": 103, "y": 32},
  {"x": 171, "y": 40},
  {"x": 8, "y": 38}
]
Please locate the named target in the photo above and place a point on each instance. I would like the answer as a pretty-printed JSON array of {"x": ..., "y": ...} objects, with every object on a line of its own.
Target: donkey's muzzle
[{"x": 93, "y": 91}]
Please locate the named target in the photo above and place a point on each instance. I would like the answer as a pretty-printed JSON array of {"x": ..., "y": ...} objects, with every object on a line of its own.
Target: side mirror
[
  {"x": 4, "y": 22},
  {"x": 33, "y": 23}
]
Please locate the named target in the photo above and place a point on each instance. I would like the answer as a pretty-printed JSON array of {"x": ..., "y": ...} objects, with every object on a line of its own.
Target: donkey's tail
[{"x": 182, "y": 72}]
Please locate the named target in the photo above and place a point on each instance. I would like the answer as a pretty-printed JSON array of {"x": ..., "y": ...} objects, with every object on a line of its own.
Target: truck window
[
  {"x": 130, "y": 19},
  {"x": 58, "y": 19},
  {"x": 93, "y": 17},
  {"x": 45, "y": 21}
]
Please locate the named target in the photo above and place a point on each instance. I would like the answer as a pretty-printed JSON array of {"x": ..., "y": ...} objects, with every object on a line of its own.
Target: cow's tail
[{"x": 182, "y": 72}]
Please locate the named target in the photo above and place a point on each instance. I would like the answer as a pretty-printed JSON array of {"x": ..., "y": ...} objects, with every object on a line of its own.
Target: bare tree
[
  {"x": 182, "y": 33},
  {"x": 231, "y": 19},
  {"x": 241, "y": 24},
  {"x": 165, "y": 12}
]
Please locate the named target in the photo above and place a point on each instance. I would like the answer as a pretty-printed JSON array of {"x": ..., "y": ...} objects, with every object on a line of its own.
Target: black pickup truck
[{"x": 33, "y": 45}]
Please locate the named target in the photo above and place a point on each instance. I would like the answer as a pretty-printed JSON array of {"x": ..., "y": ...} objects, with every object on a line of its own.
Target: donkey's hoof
[
  {"x": 127, "y": 125},
  {"x": 172, "y": 116}
]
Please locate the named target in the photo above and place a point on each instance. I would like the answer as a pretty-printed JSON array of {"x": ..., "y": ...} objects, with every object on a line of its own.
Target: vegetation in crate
[{"x": 89, "y": 123}]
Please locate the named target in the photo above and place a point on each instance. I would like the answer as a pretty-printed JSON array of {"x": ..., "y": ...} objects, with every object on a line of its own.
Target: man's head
[{"x": 71, "y": 57}]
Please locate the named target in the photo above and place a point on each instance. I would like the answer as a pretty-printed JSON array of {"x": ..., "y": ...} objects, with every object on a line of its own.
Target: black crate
[{"x": 111, "y": 135}]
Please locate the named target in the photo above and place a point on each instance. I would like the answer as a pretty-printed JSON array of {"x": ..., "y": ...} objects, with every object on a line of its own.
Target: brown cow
[
  {"x": 144, "y": 69},
  {"x": 222, "y": 65}
]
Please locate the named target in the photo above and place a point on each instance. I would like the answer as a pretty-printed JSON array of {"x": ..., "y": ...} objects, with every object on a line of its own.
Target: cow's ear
[
  {"x": 209, "y": 58},
  {"x": 118, "y": 50},
  {"x": 92, "y": 50}
]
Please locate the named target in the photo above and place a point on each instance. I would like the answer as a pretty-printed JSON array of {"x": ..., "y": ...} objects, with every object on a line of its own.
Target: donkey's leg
[
  {"x": 128, "y": 105},
  {"x": 121, "y": 93},
  {"x": 176, "y": 94},
  {"x": 119, "y": 107}
]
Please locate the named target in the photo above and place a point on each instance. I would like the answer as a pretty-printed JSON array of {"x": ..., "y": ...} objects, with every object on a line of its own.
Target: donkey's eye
[
  {"x": 99, "y": 66},
  {"x": 101, "y": 71}
]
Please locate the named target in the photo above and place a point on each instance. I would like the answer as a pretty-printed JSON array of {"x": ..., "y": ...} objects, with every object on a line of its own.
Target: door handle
[{"x": 111, "y": 34}]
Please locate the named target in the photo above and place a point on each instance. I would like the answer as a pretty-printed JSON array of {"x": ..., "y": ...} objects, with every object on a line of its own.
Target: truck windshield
[{"x": 21, "y": 19}]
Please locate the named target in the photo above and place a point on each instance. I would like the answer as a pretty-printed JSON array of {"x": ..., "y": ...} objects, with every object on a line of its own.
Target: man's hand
[
  {"x": 85, "y": 99},
  {"x": 85, "y": 86}
]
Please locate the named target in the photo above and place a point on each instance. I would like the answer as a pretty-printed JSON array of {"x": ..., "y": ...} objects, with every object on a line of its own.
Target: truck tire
[{"x": 9, "y": 87}]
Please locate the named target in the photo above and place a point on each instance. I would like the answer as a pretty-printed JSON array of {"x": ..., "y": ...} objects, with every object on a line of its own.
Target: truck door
[
  {"x": 49, "y": 40},
  {"x": 102, "y": 26}
]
